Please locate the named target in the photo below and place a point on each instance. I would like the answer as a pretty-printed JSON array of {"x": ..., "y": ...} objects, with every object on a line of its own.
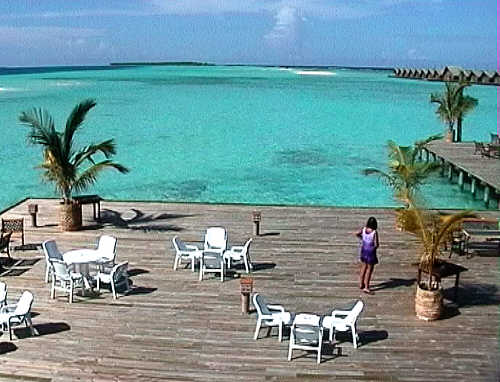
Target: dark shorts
[{"x": 369, "y": 257}]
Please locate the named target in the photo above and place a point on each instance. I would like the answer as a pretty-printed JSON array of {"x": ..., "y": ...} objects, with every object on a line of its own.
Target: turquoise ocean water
[{"x": 235, "y": 134}]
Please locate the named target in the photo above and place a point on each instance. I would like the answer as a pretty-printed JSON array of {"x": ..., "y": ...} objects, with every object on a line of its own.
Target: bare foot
[{"x": 368, "y": 291}]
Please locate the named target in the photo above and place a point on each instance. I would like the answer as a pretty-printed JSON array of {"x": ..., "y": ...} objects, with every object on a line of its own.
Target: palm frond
[
  {"x": 74, "y": 121},
  {"x": 89, "y": 176},
  {"x": 107, "y": 148}
]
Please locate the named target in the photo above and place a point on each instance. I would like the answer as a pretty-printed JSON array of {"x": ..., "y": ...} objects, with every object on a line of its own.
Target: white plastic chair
[
  {"x": 306, "y": 334},
  {"x": 16, "y": 314},
  {"x": 51, "y": 252},
  {"x": 343, "y": 321},
  {"x": 215, "y": 240},
  {"x": 239, "y": 253},
  {"x": 106, "y": 246},
  {"x": 3, "y": 294},
  {"x": 270, "y": 316},
  {"x": 63, "y": 279},
  {"x": 117, "y": 276},
  {"x": 185, "y": 251},
  {"x": 212, "y": 262}
]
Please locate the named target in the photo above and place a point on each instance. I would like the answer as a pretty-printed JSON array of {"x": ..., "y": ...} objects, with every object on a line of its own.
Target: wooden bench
[{"x": 95, "y": 200}]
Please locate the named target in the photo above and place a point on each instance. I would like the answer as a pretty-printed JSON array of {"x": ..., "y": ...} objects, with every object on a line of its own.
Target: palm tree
[
  {"x": 454, "y": 106},
  {"x": 63, "y": 163},
  {"x": 432, "y": 230},
  {"x": 406, "y": 174}
]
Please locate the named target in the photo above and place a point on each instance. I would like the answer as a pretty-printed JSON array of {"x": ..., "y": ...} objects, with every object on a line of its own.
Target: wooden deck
[
  {"x": 172, "y": 327},
  {"x": 460, "y": 158}
]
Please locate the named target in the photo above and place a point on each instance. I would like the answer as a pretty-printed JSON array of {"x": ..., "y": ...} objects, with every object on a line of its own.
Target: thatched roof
[{"x": 454, "y": 70}]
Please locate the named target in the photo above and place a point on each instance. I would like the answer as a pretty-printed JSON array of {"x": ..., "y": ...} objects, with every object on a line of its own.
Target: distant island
[{"x": 166, "y": 63}]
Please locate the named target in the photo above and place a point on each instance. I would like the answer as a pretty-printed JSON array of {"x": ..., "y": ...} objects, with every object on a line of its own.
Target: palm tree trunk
[{"x": 459, "y": 129}]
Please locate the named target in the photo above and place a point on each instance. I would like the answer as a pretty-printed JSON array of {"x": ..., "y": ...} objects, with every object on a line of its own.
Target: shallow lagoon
[{"x": 236, "y": 134}]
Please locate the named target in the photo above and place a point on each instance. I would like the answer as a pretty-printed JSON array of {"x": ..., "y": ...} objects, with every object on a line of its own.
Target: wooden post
[
  {"x": 461, "y": 180},
  {"x": 443, "y": 166},
  {"x": 256, "y": 218},
  {"x": 486, "y": 195},
  {"x": 473, "y": 187},
  {"x": 450, "y": 172},
  {"x": 246, "y": 287}
]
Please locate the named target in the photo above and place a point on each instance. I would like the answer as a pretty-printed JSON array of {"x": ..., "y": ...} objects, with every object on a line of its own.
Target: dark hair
[{"x": 371, "y": 223}]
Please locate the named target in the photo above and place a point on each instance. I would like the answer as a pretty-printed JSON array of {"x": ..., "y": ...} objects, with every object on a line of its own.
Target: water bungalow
[{"x": 450, "y": 74}]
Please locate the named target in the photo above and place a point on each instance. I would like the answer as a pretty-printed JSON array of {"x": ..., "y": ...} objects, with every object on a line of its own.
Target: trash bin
[
  {"x": 256, "y": 218},
  {"x": 246, "y": 287},
  {"x": 33, "y": 209}
]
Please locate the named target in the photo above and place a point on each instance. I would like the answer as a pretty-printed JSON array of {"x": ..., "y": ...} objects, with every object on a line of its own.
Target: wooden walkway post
[
  {"x": 486, "y": 195},
  {"x": 461, "y": 179},
  {"x": 473, "y": 187}
]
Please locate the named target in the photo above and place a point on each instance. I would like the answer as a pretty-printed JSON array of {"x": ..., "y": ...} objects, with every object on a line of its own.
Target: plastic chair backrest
[
  {"x": 306, "y": 328},
  {"x": 3, "y": 292},
  {"x": 120, "y": 271},
  {"x": 50, "y": 250},
  {"x": 261, "y": 305},
  {"x": 246, "y": 247},
  {"x": 60, "y": 268},
  {"x": 354, "y": 313},
  {"x": 107, "y": 246},
  {"x": 216, "y": 237},
  {"x": 212, "y": 259},
  {"x": 179, "y": 245},
  {"x": 24, "y": 304}
]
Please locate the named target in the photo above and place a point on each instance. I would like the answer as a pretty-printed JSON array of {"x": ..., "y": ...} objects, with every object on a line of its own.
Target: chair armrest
[
  {"x": 8, "y": 308},
  {"x": 192, "y": 247},
  {"x": 337, "y": 313},
  {"x": 276, "y": 307}
]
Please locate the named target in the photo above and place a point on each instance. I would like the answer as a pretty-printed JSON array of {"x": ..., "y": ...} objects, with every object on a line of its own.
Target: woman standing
[{"x": 368, "y": 253}]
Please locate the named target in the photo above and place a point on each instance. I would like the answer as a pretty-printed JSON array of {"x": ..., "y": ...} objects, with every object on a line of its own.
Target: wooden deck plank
[{"x": 172, "y": 327}]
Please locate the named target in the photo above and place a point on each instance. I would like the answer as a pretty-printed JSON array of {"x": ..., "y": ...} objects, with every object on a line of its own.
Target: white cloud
[
  {"x": 332, "y": 9},
  {"x": 344, "y": 9},
  {"x": 33, "y": 35},
  {"x": 211, "y": 6},
  {"x": 52, "y": 45},
  {"x": 286, "y": 25}
]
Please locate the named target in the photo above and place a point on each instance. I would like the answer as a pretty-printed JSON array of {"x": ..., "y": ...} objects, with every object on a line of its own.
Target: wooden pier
[
  {"x": 171, "y": 327},
  {"x": 461, "y": 164}
]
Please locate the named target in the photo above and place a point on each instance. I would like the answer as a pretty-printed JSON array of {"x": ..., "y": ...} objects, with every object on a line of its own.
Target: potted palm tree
[
  {"x": 432, "y": 231},
  {"x": 406, "y": 175},
  {"x": 453, "y": 106},
  {"x": 63, "y": 163}
]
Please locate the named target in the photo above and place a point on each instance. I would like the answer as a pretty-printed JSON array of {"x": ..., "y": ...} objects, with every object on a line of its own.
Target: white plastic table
[{"x": 82, "y": 258}]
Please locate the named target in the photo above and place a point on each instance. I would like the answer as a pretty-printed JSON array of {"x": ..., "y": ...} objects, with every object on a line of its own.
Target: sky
[{"x": 385, "y": 33}]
